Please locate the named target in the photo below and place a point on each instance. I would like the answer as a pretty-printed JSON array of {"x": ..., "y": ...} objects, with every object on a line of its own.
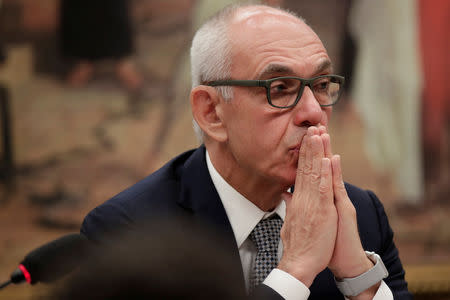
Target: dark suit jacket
[{"x": 184, "y": 187}]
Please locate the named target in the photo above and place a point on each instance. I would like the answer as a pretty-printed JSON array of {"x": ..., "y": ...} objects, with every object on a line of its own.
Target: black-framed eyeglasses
[{"x": 285, "y": 92}]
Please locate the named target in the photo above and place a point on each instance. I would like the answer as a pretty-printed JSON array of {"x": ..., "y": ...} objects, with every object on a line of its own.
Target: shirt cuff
[
  {"x": 287, "y": 285},
  {"x": 383, "y": 292}
]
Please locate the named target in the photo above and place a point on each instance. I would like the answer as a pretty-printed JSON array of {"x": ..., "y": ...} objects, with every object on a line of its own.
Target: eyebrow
[
  {"x": 274, "y": 69},
  {"x": 277, "y": 69},
  {"x": 324, "y": 65}
]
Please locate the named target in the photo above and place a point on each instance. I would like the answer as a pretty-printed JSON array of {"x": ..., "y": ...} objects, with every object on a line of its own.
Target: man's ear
[{"x": 205, "y": 105}]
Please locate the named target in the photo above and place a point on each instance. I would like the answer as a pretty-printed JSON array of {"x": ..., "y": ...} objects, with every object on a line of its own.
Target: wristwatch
[{"x": 354, "y": 286}]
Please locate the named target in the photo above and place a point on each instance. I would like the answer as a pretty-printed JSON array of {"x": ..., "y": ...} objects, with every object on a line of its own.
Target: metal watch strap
[{"x": 354, "y": 286}]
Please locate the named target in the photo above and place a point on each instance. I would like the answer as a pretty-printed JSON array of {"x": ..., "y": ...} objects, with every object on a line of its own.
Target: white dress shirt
[{"x": 244, "y": 216}]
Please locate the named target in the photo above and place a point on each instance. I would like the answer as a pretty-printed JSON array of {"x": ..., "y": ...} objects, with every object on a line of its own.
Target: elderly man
[{"x": 262, "y": 96}]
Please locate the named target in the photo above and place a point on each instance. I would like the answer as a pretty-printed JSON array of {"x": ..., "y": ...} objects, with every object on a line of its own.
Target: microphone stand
[{"x": 5, "y": 284}]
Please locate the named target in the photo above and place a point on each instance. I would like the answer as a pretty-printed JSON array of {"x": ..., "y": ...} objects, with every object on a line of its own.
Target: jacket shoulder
[{"x": 154, "y": 195}]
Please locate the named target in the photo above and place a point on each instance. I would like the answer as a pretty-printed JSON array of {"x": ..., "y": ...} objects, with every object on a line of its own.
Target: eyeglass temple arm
[{"x": 260, "y": 83}]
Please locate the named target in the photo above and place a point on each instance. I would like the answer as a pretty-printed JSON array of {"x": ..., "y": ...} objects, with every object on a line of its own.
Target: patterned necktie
[{"x": 266, "y": 236}]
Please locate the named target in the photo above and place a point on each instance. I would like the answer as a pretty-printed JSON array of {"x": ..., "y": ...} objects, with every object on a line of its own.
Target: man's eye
[
  {"x": 284, "y": 86},
  {"x": 278, "y": 87},
  {"x": 322, "y": 85}
]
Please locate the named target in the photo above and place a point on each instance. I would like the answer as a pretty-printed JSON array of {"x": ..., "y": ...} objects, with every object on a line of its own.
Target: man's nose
[{"x": 308, "y": 111}]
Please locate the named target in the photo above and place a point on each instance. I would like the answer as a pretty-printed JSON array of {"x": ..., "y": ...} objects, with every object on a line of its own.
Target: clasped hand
[{"x": 320, "y": 229}]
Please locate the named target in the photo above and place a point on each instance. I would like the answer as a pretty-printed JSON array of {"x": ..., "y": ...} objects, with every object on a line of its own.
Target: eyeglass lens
[{"x": 284, "y": 91}]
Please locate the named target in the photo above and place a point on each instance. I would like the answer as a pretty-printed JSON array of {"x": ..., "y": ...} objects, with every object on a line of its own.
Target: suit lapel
[{"x": 199, "y": 195}]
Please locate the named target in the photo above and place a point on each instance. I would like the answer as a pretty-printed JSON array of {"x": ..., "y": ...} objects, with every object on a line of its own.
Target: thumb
[{"x": 287, "y": 197}]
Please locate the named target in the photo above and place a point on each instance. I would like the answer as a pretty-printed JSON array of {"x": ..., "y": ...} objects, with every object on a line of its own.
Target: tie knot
[{"x": 266, "y": 234}]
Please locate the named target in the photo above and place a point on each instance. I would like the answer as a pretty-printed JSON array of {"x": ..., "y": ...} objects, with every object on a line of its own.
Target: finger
[
  {"x": 343, "y": 204},
  {"x": 301, "y": 161},
  {"x": 325, "y": 186},
  {"x": 307, "y": 163},
  {"x": 314, "y": 130},
  {"x": 338, "y": 183},
  {"x": 318, "y": 155},
  {"x": 322, "y": 129},
  {"x": 327, "y": 145}
]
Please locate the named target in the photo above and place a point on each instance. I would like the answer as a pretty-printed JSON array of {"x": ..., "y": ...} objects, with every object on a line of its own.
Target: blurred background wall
[{"x": 80, "y": 126}]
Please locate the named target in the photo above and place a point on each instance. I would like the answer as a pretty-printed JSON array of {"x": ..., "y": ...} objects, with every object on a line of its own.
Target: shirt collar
[{"x": 242, "y": 213}]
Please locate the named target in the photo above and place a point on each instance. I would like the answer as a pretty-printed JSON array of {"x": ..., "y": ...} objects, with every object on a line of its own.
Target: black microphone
[{"x": 51, "y": 261}]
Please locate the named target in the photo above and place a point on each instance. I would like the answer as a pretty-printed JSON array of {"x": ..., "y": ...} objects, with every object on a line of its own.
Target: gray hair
[{"x": 211, "y": 56}]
